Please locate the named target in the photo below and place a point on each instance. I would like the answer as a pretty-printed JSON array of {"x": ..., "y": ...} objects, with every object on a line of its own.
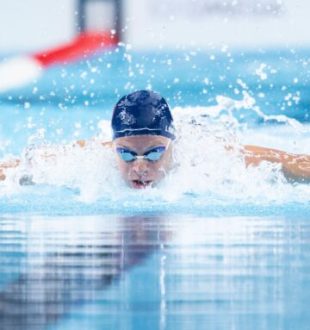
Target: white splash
[{"x": 208, "y": 163}]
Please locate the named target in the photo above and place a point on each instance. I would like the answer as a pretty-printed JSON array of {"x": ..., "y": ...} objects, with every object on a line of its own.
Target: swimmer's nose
[{"x": 140, "y": 167}]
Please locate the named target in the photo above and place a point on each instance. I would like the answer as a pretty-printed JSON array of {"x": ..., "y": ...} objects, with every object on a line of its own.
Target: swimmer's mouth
[{"x": 139, "y": 184}]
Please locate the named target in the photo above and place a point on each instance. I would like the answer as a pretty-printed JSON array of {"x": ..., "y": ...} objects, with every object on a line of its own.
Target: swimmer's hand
[
  {"x": 25, "y": 180},
  {"x": 4, "y": 166},
  {"x": 295, "y": 167}
]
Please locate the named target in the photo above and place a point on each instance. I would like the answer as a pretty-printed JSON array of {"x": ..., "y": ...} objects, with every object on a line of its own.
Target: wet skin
[{"x": 142, "y": 173}]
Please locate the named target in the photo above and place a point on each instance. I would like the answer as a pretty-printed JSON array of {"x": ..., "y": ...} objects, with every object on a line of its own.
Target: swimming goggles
[{"x": 152, "y": 155}]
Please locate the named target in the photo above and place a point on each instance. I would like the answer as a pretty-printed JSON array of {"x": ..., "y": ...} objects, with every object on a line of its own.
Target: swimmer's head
[
  {"x": 143, "y": 130},
  {"x": 142, "y": 113}
]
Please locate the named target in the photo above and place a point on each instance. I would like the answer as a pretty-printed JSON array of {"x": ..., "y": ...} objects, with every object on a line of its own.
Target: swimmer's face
[{"x": 142, "y": 172}]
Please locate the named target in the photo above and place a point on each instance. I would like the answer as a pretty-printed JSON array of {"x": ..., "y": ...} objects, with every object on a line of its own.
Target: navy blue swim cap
[{"x": 142, "y": 113}]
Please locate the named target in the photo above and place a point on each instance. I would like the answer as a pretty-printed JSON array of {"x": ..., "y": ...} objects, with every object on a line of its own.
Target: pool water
[
  {"x": 154, "y": 272},
  {"x": 214, "y": 246}
]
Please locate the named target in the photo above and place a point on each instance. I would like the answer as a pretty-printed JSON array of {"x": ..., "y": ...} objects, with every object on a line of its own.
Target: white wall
[
  {"x": 241, "y": 23},
  {"x": 37, "y": 24}
]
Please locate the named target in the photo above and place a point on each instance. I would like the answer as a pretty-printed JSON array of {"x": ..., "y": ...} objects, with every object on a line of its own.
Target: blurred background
[
  {"x": 80, "y": 56},
  {"x": 37, "y": 24}
]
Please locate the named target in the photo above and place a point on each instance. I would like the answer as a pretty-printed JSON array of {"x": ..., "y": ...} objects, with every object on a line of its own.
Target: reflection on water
[
  {"x": 154, "y": 272},
  {"x": 64, "y": 261}
]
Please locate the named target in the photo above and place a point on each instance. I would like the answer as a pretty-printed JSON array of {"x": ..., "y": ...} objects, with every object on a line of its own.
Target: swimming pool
[{"x": 213, "y": 246}]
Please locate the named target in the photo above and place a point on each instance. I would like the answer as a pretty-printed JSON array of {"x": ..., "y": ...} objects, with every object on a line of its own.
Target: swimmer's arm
[
  {"x": 295, "y": 166},
  {"x": 4, "y": 166}
]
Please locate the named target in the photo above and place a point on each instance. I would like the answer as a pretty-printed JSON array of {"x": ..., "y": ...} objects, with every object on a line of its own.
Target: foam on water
[{"x": 209, "y": 168}]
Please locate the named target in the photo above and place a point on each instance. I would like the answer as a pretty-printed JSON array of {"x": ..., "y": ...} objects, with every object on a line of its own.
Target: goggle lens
[
  {"x": 126, "y": 155},
  {"x": 152, "y": 155}
]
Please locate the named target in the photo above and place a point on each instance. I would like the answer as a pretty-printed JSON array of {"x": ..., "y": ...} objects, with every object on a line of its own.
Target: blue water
[
  {"x": 85, "y": 92},
  {"x": 210, "y": 248},
  {"x": 154, "y": 272}
]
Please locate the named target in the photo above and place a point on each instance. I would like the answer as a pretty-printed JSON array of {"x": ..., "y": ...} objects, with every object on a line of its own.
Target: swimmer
[{"x": 143, "y": 141}]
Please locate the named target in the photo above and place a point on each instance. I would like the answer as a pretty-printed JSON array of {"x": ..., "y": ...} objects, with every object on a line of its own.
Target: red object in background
[
  {"x": 18, "y": 71},
  {"x": 82, "y": 46}
]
